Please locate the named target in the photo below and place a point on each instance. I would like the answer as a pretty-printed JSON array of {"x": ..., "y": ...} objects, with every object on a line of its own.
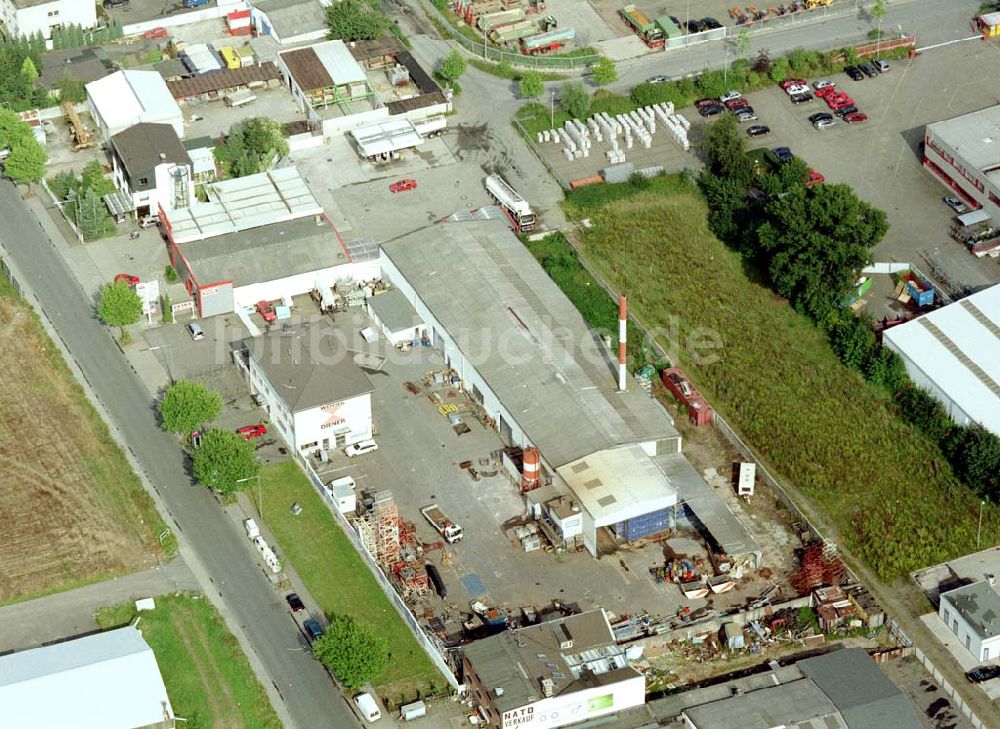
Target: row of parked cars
[{"x": 733, "y": 102}]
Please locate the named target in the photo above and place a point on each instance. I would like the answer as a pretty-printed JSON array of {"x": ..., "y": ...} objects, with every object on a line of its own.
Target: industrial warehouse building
[
  {"x": 552, "y": 674},
  {"x": 260, "y": 237},
  {"x": 23, "y": 18},
  {"x": 953, "y": 354},
  {"x": 127, "y": 98},
  {"x": 310, "y": 386},
  {"x": 524, "y": 353},
  {"x": 104, "y": 681},
  {"x": 962, "y": 153},
  {"x": 972, "y": 613}
]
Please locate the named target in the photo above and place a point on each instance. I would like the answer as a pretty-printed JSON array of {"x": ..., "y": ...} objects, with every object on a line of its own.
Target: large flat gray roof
[
  {"x": 975, "y": 136},
  {"x": 394, "y": 311},
  {"x": 979, "y": 605},
  {"x": 266, "y": 253},
  {"x": 796, "y": 704},
  {"x": 543, "y": 362}
]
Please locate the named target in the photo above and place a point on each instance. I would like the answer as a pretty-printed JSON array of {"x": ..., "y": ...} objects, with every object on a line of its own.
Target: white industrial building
[
  {"x": 395, "y": 317},
  {"x": 972, "y": 613},
  {"x": 152, "y": 168},
  {"x": 551, "y": 674},
  {"x": 105, "y": 681},
  {"x": 954, "y": 353},
  {"x": 127, "y": 98},
  {"x": 260, "y": 237},
  {"x": 524, "y": 353},
  {"x": 962, "y": 153},
  {"x": 290, "y": 21},
  {"x": 310, "y": 385},
  {"x": 22, "y": 18}
]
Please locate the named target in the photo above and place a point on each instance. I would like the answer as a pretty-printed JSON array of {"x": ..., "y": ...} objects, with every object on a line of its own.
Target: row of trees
[
  {"x": 76, "y": 36},
  {"x": 82, "y": 199},
  {"x": 27, "y": 158},
  {"x": 352, "y": 20},
  {"x": 809, "y": 243}
]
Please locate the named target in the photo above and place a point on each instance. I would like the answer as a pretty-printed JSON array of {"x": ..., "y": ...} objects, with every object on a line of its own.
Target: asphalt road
[{"x": 310, "y": 696}]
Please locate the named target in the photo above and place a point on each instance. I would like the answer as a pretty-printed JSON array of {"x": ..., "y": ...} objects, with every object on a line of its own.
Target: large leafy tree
[
  {"x": 119, "y": 305},
  {"x": 452, "y": 66},
  {"x": 26, "y": 162},
  {"x": 816, "y": 240},
  {"x": 12, "y": 129},
  {"x": 91, "y": 213},
  {"x": 252, "y": 146},
  {"x": 225, "y": 462},
  {"x": 187, "y": 405},
  {"x": 974, "y": 453},
  {"x": 530, "y": 85},
  {"x": 725, "y": 147},
  {"x": 354, "y": 652},
  {"x": 575, "y": 99},
  {"x": 604, "y": 72},
  {"x": 355, "y": 20}
]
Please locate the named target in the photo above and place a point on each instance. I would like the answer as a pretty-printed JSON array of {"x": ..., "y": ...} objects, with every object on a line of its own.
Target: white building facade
[
  {"x": 27, "y": 17},
  {"x": 972, "y": 613},
  {"x": 126, "y": 98}
]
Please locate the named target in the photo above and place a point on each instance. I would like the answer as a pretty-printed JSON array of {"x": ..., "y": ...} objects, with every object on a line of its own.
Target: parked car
[
  {"x": 868, "y": 70},
  {"x": 676, "y": 21},
  {"x": 983, "y": 673},
  {"x": 313, "y": 630},
  {"x": 267, "y": 311},
  {"x": 855, "y": 117},
  {"x": 824, "y": 123},
  {"x": 360, "y": 448},
  {"x": 195, "y": 330},
  {"x": 955, "y": 204},
  {"x": 710, "y": 23},
  {"x": 827, "y": 91},
  {"x": 148, "y": 221},
  {"x": 854, "y": 72},
  {"x": 403, "y": 185},
  {"x": 783, "y": 154},
  {"x": 846, "y": 110},
  {"x": 702, "y": 103},
  {"x": 153, "y": 33},
  {"x": 813, "y": 118},
  {"x": 815, "y": 178},
  {"x": 294, "y": 602},
  {"x": 130, "y": 278},
  {"x": 840, "y": 102},
  {"x": 110, "y": 4},
  {"x": 745, "y": 115},
  {"x": 711, "y": 110},
  {"x": 792, "y": 82},
  {"x": 797, "y": 89},
  {"x": 801, "y": 98},
  {"x": 735, "y": 104},
  {"x": 367, "y": 708},
  {"x": 657, "y": 80},
  {"x": 758, "y": 130},
  {"x": 249, "y": 432},
  {"x": 694, "y": 26},
  {"x": 730, "y": 95},
  {"x": 824, "y": 83},
  {"x": 881, "y": 65}
]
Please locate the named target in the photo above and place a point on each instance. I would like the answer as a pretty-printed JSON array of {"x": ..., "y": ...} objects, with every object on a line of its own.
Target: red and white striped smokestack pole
[{"x": 622, "y": 318}]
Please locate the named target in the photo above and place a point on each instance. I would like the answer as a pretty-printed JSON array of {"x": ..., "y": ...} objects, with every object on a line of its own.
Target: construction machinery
[
  {"x": 81, "y": 137},
  {"x": 647, "y": 30}
]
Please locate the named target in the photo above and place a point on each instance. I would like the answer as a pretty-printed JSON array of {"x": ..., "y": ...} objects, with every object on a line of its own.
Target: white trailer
[{"x": 515, "y": 207}]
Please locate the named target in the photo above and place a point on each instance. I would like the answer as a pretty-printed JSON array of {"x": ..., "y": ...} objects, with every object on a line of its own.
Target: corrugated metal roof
[
  {"x": 339, "y": 63},
  {"x": 227, "y": 78},
  {"x": 387, "y": 136},
  {"x": 394, "y": 311},
  {"x": 129, "y": 97}
]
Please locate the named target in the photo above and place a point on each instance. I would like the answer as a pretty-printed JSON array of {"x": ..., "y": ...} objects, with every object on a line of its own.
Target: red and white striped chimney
[{"x": 622, "y": 317}]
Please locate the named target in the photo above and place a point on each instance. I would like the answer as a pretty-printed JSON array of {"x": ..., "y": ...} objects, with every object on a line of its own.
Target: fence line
[
  {"x": 491, "y": 53},
  {"x": 431, "y": 647},
  {"x": 564, "y": 183},
  {"x": 966, "y": 710}
]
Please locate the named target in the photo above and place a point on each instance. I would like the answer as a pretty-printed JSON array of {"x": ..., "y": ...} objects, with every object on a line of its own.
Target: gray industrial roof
[
  {"x": 516, "y": 661},
  {"x": 82, "y": 64},
  {"x": 394, "y": 311},
  {"x": 975, "y": 136},
  {"x": 797, "y": 704},
  {"x": 308, "y": 365},
  {"x": 543, "y": 362},
  {"x": 293, "y": 17},
  {"x": 265, "y": 253},
  {"x": 709, "y": 508},
  {"x": 865, "y": 696},
  {"x": 979, "y": 605},
  {"x": 104, "y": 681}
]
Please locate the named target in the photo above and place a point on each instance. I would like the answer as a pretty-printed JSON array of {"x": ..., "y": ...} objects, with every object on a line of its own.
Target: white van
[{"x": 368, "y": 708}]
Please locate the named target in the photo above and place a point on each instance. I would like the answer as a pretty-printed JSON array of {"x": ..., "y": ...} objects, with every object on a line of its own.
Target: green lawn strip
[
  {"x": 337, "y": 577},
  {"x": 208, "y": 678},
  {"x": 880, "y": 482}
]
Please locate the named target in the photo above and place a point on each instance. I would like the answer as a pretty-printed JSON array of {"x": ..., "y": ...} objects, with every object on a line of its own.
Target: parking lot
[{"x": 881, "y": 159}]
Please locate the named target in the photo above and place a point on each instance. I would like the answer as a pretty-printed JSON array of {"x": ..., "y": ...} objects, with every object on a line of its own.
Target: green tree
[
  {"x": 224, "y": 462},
  {"x": 354, "y": 652},
  {"x": 452, "y": 66},
  {"x": 725, "y": 147},
  {"x": 12, "y": 129},
  {"x": 924, "y": 411},
  {"x": 252, "y": 146},
  {"x": 93, "y": 178},
  {"x": 885, "y": 369},
  {"x": 354, "y": 20},
  {"x": 26, "y": 162},
  {"x": 530, "y": 85},
  {"x": 71, "y": 89},
  {"x": 188, "y": 405},
  {"x": 90, "y": 214},
  {"x": 878, "y": 12},
  {"x": 119, "y": 306},
  {"x": 28, "y": 69},
  {"x": 815, "y": 241},
  {"x": 604, "y": 72},
  {"x": 575, "y": 99},
  {"x": 853, "y": 340},
  {"x": 974, "y": 453}
]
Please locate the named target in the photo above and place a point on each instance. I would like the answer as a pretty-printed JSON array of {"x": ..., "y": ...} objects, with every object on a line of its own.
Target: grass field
[
  {"x": 338, "y": 578},
  {"x": 73, "y": 510},
  {"x": 208, "y": 678},
  {"x": 879, "y": 482}
]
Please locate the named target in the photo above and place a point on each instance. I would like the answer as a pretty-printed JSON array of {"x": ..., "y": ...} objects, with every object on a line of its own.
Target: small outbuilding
[{"x": 395, "y": 317}]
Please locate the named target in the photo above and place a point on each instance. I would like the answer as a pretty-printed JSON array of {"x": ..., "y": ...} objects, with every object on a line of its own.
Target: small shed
[
  {"x": 732, "y": 636},
  {"x": 395, "y": 317},
  {"x": 989, "y": 24}
]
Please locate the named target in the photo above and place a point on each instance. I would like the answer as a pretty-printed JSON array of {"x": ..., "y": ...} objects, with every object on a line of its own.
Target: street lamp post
[
  {"x": 552, "y": 109},
  {"x": 979, "y": 531},
  {"x": 260, "y": 493}
]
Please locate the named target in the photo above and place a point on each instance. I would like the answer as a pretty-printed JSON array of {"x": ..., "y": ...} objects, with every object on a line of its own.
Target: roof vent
[
  {"x": 163, "y": 156},
  {"x": 991, "y": 580},
  {"x": 498, "y": 691},
  {"x": 566, "y": 639},
  {"x": 548, "y": 687}
]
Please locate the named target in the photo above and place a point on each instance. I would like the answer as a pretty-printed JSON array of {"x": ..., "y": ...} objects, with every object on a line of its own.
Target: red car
[
  {"x": 840, "y": 102},
  {"x": 825, "y": 91},
  {"x": 403, "y": 185},
  {"x": 152, "y": 33},
  {"x": 815, "y": 178},
  {"x": 249, "y": 432},
  {"x": 265, "y": 309},
  {"x": 734, "y": 104},
  {"x": 856, "y": 116},
  {"x": 792, "y": 82},
  {"x": 128, "y": 278}
]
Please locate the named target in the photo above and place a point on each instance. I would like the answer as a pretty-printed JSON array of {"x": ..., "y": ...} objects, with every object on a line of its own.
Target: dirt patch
[{"x": 72, "y": 509}]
